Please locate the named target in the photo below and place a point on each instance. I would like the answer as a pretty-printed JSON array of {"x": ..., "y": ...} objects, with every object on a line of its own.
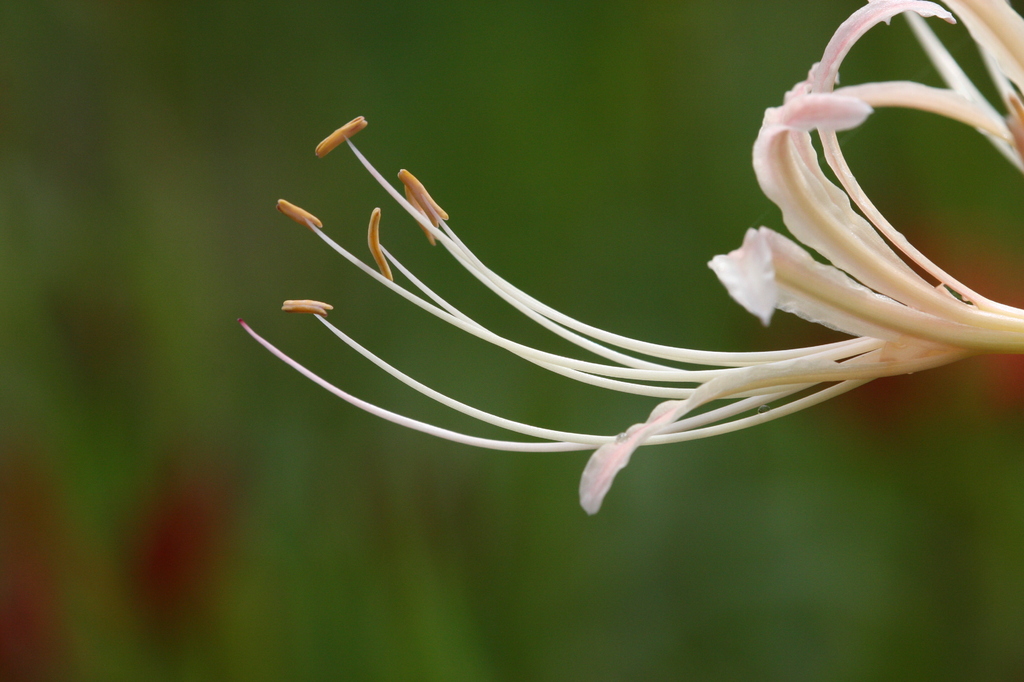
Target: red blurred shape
[
  {"x": 179, "y": 546},
  {"x": 32, "y": 633}
]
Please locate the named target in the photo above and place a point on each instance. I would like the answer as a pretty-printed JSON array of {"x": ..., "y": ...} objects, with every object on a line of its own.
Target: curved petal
[
  {"x": 826, "y": 72},
  {"x": 971, "y": 109},
  {"x": 820, "y": 215},
  {"x": 817, "y": 212},
  {"x": 608, "y": 460},
  {"x": 941, "y": 101}
]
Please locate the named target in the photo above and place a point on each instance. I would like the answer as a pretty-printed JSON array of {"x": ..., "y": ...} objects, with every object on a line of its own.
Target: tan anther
[
  {"x": 416, "y": 205},
  {"x": 305, "y": 306},
  {"x": 1015, "y": 121},
  {"x": 373, "y": 238},
  {"x": 340, "y": 135},
  {"x": 299, "y": 215},
  {"x": 423, "y": 202}
]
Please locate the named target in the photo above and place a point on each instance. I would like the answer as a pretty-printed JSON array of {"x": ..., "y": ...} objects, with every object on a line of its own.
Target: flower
[{"x": 900, "y": 321}]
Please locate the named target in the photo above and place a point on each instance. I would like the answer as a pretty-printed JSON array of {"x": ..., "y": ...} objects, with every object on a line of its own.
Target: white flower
[{"x": 900, "y": 321}]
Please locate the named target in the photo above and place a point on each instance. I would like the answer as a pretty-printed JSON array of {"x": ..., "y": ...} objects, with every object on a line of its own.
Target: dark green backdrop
[{"x": 177, "y": 504}]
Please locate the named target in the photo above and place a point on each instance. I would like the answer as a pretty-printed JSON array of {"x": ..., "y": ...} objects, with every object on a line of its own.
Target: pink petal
[
  {"x": 610, "y": 459},
  {"x": 749, "y": 276},
  {"x": 825, "y": 111},
  {"x": 825, "y": 74}
]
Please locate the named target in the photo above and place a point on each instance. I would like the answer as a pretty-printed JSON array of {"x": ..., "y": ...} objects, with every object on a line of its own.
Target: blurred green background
[{"x": 177, "y": 504}]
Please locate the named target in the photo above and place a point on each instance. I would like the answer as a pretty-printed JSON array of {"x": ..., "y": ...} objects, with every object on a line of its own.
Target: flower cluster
[{"x": 900, "y": 321}]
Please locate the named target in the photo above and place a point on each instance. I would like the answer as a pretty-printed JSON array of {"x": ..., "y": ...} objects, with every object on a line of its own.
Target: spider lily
[{"x": 901, "y": 322}]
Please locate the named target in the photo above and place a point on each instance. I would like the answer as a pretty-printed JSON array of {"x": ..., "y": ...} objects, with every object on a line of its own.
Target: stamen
[
  {"x": 417, "y": 195},
  {"x": 374, "y": 240},
  {"x": 307, "y": 306},
  {"x": 299, "y": 215},
  {"x": 525, "y": 303},
  {"x": 340, "y": 135}
]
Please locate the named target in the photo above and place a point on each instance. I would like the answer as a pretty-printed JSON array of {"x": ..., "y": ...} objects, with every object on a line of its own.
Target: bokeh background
[{"x": 177, "y": 504}]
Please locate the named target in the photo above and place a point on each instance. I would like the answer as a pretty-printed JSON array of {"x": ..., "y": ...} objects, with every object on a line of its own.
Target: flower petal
[
  {"x": 826, "y": 72},
  {"x": 610, "y": 459},
  {"x": 825, "y": 111},
  {"x": 748, "y": 275},
  {"x": 818, "y": 213},
  {"x": 941, "y": 101},
  {"x": 826, "y": 295}
]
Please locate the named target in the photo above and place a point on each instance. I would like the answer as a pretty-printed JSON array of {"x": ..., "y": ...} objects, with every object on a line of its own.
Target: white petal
[
  {"x": 826, "y": 295},
  {"x": 749, "y": 276}
]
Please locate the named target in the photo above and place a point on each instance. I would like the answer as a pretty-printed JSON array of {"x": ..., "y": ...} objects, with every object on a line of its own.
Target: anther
[
  {"x": 411, "y": 198},
  {"x": 299, "y": 215},
  {"x": 374, "y": 240},
  {"x": 340, "y": 135},
  {"x": 421, "y": 199},
  {"x": 305, "y": 306}
]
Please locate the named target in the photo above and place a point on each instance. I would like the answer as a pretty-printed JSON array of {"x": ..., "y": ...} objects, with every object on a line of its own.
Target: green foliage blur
[{"x": 176, "y": 504}]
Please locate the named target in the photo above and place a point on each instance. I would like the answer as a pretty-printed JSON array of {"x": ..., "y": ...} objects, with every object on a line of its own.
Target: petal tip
[
  {"x": 824, "y": 111},
  {"x": 600, "y": 472},
  {"x": 749, "y": 276}
]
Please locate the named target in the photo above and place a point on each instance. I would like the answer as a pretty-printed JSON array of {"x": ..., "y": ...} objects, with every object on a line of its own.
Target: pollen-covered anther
[
  {"x": 299, "y": 215},
  {"x": 418, "y": 196},
  {"x": 1015, "y": 121},
  {"x": 306, "y": 306},
  {"x": 340, "y": 135},
  {"x": 373, "y": 238}
]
